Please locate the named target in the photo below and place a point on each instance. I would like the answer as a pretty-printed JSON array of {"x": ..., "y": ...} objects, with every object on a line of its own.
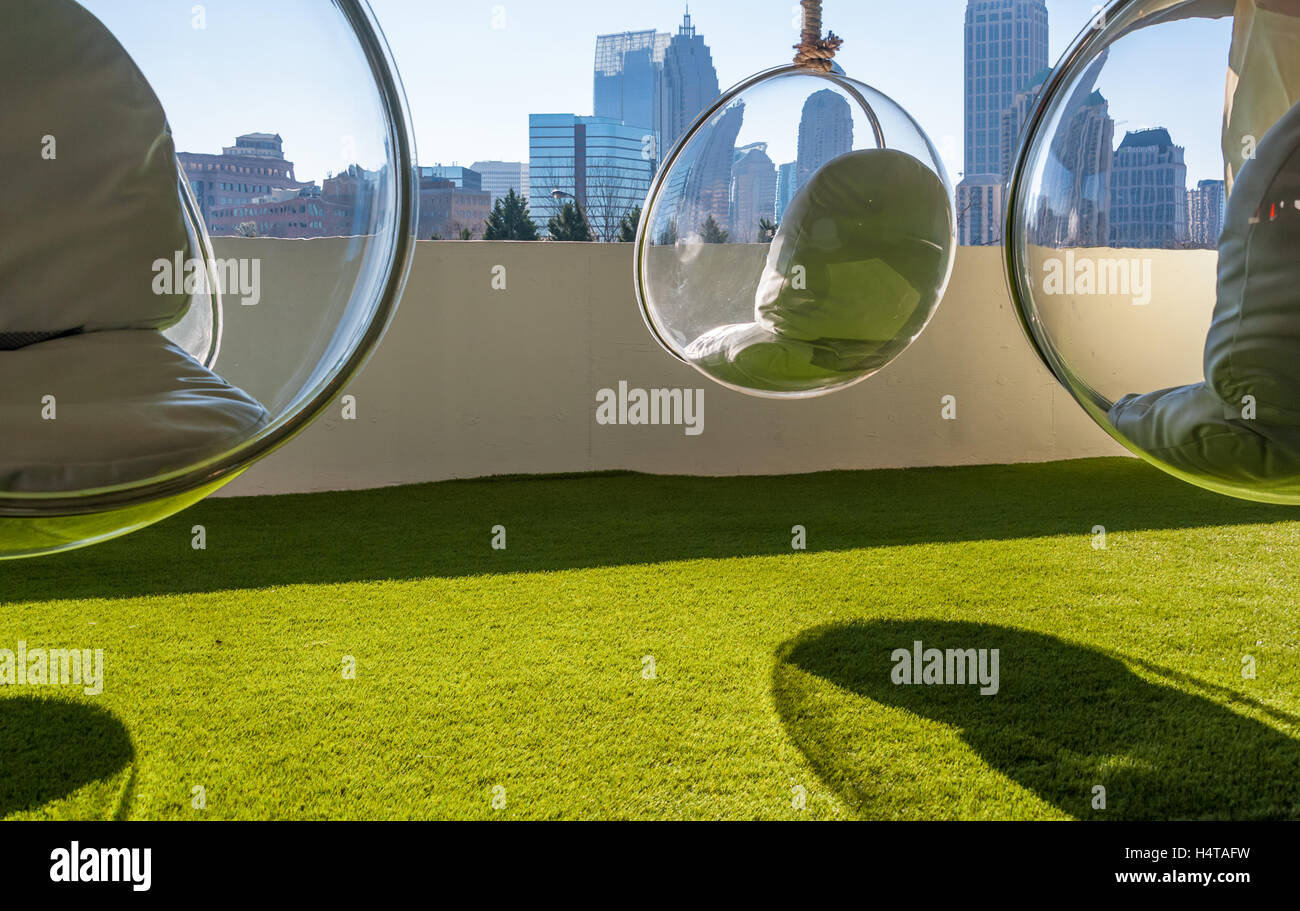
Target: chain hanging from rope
[{"x": 814, "y": 51}]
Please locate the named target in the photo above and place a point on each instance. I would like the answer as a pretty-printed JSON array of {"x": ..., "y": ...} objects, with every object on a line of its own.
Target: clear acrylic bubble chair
[
  {"x": 800, "y": 282},
  {"x": 207, "y": 227},
  {"x": 1153, "y": 236}
]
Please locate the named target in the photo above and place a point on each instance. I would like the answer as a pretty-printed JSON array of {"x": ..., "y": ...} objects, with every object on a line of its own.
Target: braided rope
[{"x": 814, "y": 51}]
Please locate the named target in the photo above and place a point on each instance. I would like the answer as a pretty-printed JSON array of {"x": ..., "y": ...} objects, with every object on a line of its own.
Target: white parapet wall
[{"x": 475, "y": 380}]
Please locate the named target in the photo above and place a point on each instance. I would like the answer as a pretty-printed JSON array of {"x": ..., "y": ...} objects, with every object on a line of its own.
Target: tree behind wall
[
  {"x": 569, "y": 224},
  {"x": 627, "y": 227},
  {"x": 510, "y": 220}
]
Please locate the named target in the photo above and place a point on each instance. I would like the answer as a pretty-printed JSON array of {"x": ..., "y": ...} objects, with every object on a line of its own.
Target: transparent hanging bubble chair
[
  {"x": 799, "y": 282},
  {"x": 207, "y": 226},
  {"x": 1153, "y": 236}
]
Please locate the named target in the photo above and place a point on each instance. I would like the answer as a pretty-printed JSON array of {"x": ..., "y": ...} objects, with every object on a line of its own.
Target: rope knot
[{"x": 814, "y": 51}]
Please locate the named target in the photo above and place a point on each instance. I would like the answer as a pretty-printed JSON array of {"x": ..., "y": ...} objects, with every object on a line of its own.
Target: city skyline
[
  {"x": 470, "y": 97},
  {"x": 627, "y": 63}
]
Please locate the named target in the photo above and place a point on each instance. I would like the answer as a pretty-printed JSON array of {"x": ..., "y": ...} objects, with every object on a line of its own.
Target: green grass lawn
[{"x": 522, "y": 674}]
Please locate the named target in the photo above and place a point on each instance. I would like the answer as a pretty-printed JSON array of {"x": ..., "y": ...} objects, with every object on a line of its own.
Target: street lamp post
[{"x": 558, "y": 195}]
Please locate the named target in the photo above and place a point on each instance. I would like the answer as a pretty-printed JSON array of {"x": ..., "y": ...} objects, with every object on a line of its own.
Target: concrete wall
[{"x": 473, "y": 381}]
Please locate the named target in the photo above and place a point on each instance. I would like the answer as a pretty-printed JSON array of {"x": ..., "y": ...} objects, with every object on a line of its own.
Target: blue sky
[
  {"x": 472, "y": 85},
  {"x": 475, "y": 69}
]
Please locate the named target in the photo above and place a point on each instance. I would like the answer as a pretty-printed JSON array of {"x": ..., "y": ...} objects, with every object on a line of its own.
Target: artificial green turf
[{"x": 525, "y": 669}]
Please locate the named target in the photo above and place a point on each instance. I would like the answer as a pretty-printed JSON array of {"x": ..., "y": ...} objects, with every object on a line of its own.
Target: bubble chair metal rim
[
  {"x": 1080, "y": 49},
  {"x": 641, "y": 267},
  {"x": 199, "y": 240},
  {"x": 1092, "y": 39},
  {"x": 224, "y": 467}
]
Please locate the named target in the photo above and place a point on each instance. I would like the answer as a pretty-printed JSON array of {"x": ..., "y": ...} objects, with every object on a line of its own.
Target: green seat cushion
[{"x": 851, "y": 278}]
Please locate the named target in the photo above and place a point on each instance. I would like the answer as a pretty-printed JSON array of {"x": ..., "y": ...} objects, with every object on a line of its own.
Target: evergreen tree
[
  {"x": 510, "y": 220},
  {"x": 627, "y": 227},
  {"x": 766, "y": 230},
  {"x": 570, "y": 224},
  {"x": 711, "y": 232}
]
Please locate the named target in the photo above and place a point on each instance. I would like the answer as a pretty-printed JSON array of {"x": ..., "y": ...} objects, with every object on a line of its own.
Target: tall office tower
[
  {"x": 1148, "y": 191},
  {"x": 785, "y": 188},
  {"x": 1076, "y": 182},
  {"x": 1005, "y": 46},
  {"x": 707, "y": 188},
  {"x": 595, "y": 160},
  {"x": 753, "y": 191},
  {"x": 688, "y": 84},
  {"x": 1206, "y": 206},
  {"x": 500, "y": 177},
  {"x": 825, "y": 132},
  {"x": 627, "y": 77}
]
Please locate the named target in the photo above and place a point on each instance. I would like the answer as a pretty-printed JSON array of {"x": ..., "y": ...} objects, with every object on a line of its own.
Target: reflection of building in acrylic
[
  {"x": 500, "y": 177},
  {"x": 1074, "y": 208},
  {"x": 785, "y": 187},
  {"x": 687, "y": 84},
  {"x": 1148, "y": 206},
  {"x": 1206, "y": 205},
  {"x": 1005, "y": 46},
  {"x": 706, "y": 191},
  {"x": 1016, "y": 115},
  {"x": 452, "y": 200},
  {"x": 599, "y": 162},
  {"x": 254, "y": 167},
  {"x": 825, "y": 132},
  {"x": 753, "y": 191},
  {"x": 251, "y": 188}
]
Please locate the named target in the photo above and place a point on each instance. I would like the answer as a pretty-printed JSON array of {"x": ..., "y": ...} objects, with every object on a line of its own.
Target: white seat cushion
[
  {"x": 80, "y": 231},
  {"x": 1253, "y": 342},
  {"x": 128, "y": 405}
]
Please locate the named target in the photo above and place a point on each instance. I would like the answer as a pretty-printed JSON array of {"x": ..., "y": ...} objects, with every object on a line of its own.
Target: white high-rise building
[
  {"x": 500, "y": 177},
  {"x": 1206, "y": 206},
  {"x": 1005, "y": 48}
]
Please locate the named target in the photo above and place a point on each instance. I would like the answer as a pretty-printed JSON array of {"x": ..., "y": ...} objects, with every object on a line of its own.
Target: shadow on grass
[
  {"x": 51, "y": 748},
  {"x": 1066, "y": 718},
  {"x": 612, "y": 520}
]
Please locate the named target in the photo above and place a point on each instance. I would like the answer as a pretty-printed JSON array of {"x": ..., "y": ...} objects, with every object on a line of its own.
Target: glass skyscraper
[
  {"x": 688, "y": 83},
  {"x": 627, "y": 75},
  {"x": 598, "y": 161}
]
